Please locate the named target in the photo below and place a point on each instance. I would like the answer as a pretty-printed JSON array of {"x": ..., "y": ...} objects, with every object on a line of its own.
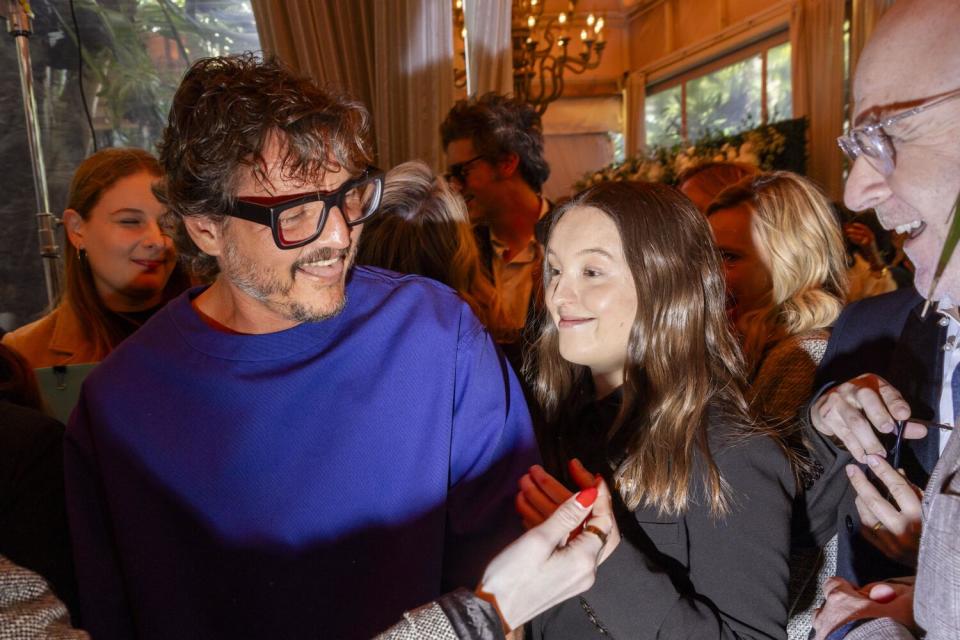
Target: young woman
[
  {"x": 120, "y": 265},
  {"x": 785, "y": 262},
  {"x": 640, "y": 377}
]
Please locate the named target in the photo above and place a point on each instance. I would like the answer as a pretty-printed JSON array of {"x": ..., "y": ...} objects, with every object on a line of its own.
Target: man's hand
[
  {"x": 855, "y": 410},
  {"x": 553, "y": 561},
  {"x": 895, "y": 530},
  {"x": 540, "y": 493},
  {"x": 846, "y": 603}
]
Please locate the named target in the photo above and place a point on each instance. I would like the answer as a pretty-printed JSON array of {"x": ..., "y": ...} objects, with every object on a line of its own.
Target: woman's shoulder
[
  {"x": 808, "y": 346},
  {"x": 743, "y": 454},
  {"x": 53, "y": 339},
  {"x": 32, "y": 341}
]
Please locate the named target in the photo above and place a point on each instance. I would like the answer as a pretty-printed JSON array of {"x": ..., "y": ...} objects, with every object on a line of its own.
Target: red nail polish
[{"x": 587, "y": 497}]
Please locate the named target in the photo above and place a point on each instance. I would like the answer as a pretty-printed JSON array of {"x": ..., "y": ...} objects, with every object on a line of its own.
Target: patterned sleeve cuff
[
  {"x": 470, "y": 616},
  {"x": 423, "y": 622},
  {"x": 455, "y": 616},
  {"x": 880, "y": 629}
]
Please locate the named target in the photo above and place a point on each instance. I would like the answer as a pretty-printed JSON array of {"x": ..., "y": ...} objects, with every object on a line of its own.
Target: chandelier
[
  {"x": 545, "y": 48},
  {"x": 542, "y": 50}
]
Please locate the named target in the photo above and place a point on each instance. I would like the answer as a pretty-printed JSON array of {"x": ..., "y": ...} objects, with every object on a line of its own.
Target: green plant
[{"x": 143, "y": 48}]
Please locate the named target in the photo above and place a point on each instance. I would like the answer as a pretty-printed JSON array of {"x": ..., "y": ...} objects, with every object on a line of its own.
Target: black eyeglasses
[
  {"x": 297, "y": 220},
  {"x": 458, "y": 171}
]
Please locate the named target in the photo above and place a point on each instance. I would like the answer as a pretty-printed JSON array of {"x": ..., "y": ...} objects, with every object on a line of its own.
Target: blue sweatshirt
[{"x": 310, "y": 483}]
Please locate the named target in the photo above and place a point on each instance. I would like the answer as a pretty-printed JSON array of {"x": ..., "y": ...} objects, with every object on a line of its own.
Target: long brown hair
[
  {"x": 682, "y": 360},
  {"x": 104, "y": 328},
  {"x": 423, "y": 227}
]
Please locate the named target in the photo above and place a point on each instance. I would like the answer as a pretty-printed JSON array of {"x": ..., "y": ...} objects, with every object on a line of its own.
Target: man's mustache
[{"x": 322, "y": 254}]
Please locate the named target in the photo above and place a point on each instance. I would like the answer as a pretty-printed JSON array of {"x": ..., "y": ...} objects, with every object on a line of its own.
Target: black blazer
[
  {"x": 692, "y": 576},
  {"x": 886, "y": 336}
]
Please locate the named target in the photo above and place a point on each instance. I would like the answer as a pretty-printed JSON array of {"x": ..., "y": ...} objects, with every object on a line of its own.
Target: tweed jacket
[
  {"x": 454, "y": 616},
  {"x": 28, "y": 609},
  {"x": 55, "y": 339},
  {"x": 780, "y": 392},
  {"x": 936, "y": 598}
]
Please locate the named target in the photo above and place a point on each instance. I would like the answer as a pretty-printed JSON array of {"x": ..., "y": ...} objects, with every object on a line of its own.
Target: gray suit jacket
[{"x": 936, "y": 599}]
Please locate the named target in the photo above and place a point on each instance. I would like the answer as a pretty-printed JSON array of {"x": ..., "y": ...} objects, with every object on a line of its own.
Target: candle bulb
[
  {"x": 591, "y": 19},
  {"x": 583, "y": 34}
]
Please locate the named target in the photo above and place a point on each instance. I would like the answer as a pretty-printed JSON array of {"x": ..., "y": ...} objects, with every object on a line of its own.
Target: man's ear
[
  {"x": 509, "y": 165},
  {"x": 206, "y": 233},
  {"x": 73, "y": 224}
]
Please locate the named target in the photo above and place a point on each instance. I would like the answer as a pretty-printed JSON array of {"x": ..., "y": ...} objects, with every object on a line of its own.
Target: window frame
[{"x": 739, "y": 54}]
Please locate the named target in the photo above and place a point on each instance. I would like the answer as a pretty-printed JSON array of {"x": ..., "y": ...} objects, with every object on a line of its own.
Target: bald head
[
  {"x": 913, "y": 53},
  {"x": 911, "y": 60}
]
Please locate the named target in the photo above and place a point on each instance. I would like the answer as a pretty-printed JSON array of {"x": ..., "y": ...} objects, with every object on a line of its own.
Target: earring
[{"x": 81, "y": 255}]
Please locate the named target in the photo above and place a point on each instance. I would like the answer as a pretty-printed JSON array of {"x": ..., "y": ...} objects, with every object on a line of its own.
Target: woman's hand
[
  {"x": 892, "y": 525},
  {"x": 555, "y": 560},
  {"x": 540, "y": 493},
  {"x": 845, "y": 603}
]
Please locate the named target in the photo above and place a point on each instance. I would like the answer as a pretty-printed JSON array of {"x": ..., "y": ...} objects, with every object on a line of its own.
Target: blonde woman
[
  {"x": 785, "y": 265},
  {"x": 423, "y": 228}
]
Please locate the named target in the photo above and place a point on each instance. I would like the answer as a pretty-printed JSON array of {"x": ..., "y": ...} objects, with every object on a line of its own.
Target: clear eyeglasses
[{"x": 874, "y": 144}]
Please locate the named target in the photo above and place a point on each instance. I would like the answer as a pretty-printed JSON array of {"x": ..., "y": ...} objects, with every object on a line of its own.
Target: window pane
[
  {"x": 726, "y": 101},
  {"x": 779, "y": 85},
  {"x": 136, "y": 52},
  {"x": 663, "y": 117}
]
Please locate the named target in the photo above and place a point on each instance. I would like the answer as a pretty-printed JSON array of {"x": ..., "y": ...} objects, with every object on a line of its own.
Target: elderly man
[
  {"x": 906, "y": 151},
  {"x": 302, "y": 448}
]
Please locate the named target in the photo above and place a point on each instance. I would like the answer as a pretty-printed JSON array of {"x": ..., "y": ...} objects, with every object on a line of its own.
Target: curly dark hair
[
  {"x": 499, "y": 125},
  {"x": 222, "y": 116}
]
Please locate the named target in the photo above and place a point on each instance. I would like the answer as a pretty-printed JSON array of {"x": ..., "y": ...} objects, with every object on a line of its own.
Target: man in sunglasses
[
  {"x": 494, "y": 148},
  {"x": 303, "y": 448},
  {"x": 893, "y": 363}
]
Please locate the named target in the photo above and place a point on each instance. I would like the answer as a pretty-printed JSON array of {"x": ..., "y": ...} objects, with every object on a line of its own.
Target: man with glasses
[
  {"x": 898, "y": 363},
  {"x": 303, "y": 448},
  {"x": 494, "y": 148}
]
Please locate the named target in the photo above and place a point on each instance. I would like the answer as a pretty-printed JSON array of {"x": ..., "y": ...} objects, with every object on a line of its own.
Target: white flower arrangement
[{"x": 759, "y": 147}]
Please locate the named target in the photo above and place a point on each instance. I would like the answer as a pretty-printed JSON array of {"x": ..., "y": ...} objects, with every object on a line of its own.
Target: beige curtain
[
  {"x": 576, "y": 134},
  {"x": 414, "y": 79},
  {"x": 330, "y": 41},
  {"x": 396, "y": 56},
  {"x": 489, "y": 48},
  {"x": 634, "y": 113},
  {"x": 816, "y": 32},
  {"x": 864, "y": 16}
]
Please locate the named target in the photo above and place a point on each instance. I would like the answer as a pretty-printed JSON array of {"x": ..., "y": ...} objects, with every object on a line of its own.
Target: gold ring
[
  {"x": 589, "y": 528},
  {"x": 878, "y": 526}
]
